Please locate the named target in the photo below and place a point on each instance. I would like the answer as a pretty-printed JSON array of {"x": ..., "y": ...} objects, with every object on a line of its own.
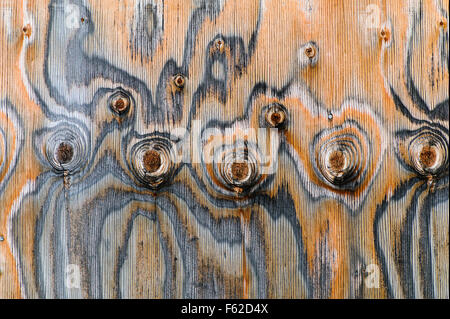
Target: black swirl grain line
[
  {"x": 381, "y": 209},
  {"x": 109, "y": 165},
  {"x": 220, "y": 230},
  {"x": 100, "y": 208},
  {"x": 440, "y": 112},
  {"x": 122, "y": 255},
  {"x": 9, "y": 109},
  {"x": 189, "y": 255},
  {"x": 229, "y": 230},
  {"x": 174, "y": 102},
  {"x": 147, "y": 16},
  {"x": 212, "y": 9},
  {"x": 425, "y": 246},
  {"x": 86, "y": 254},
  {"x": 98, "y": 67},
  {"x": 244, "y": 57},
  {"x": 381, "y": 257},
  {"x": 232, "y": 68},
  {"x": 43, "y": 216},
  {"x": 73, "y": 189},
  {"x": 282, "y": 205},
  {"x": 404, "y": 110},
  {"x": 79, "y": 129},
  {"x": 403, "y": 261},
  {"x": 56, "y": 188}
]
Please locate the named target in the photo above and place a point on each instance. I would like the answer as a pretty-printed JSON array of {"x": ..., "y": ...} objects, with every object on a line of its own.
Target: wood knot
[
  {"x": 152, "y": 161},
  {"x": 310, "y": 51},
  {"x": 308, "y": 54},
  {"x": 119, "y": 102},
  {"x": 275, "y": 118},
  {"x": 64, "y": 153},
  {"x": 27, "y": 30},
  {"x": 66, "y": 148},
  {"x": 428, "y": 153},
  {"x": 385, "y": 34},
  {"x": 341, "y": 159},
  {"x": 330, "y": 116},
  {"x": 120, "y": 105},
  {"x": 443, "y": 23},
  {"x": 237, "y": 169},
  {"x": 337, "y": 161},
  {"x": 179, "y": 81},
  {"x": 219, "y": 44},
  {"x": 240, "y": 171},
  {"x": 276, "y": 115},
  {"x": 427, "y": 156}
]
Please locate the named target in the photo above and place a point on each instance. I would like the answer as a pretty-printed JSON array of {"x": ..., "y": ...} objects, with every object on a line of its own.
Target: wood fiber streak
[{"x": 108, "y": 110}]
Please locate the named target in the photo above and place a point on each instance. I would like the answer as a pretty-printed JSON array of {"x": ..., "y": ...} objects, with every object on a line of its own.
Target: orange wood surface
[{"x": 224, "y": 149}]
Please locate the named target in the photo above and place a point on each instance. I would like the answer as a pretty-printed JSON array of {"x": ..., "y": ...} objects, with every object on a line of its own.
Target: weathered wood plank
[{"x": 129, "y": 167}]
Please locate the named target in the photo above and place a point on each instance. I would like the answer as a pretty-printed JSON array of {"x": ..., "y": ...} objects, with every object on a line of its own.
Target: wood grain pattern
[{"x": 127, "y": 149}]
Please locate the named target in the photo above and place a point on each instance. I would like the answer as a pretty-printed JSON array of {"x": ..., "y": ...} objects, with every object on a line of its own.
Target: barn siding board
[{"x": 109, "y": 110}]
